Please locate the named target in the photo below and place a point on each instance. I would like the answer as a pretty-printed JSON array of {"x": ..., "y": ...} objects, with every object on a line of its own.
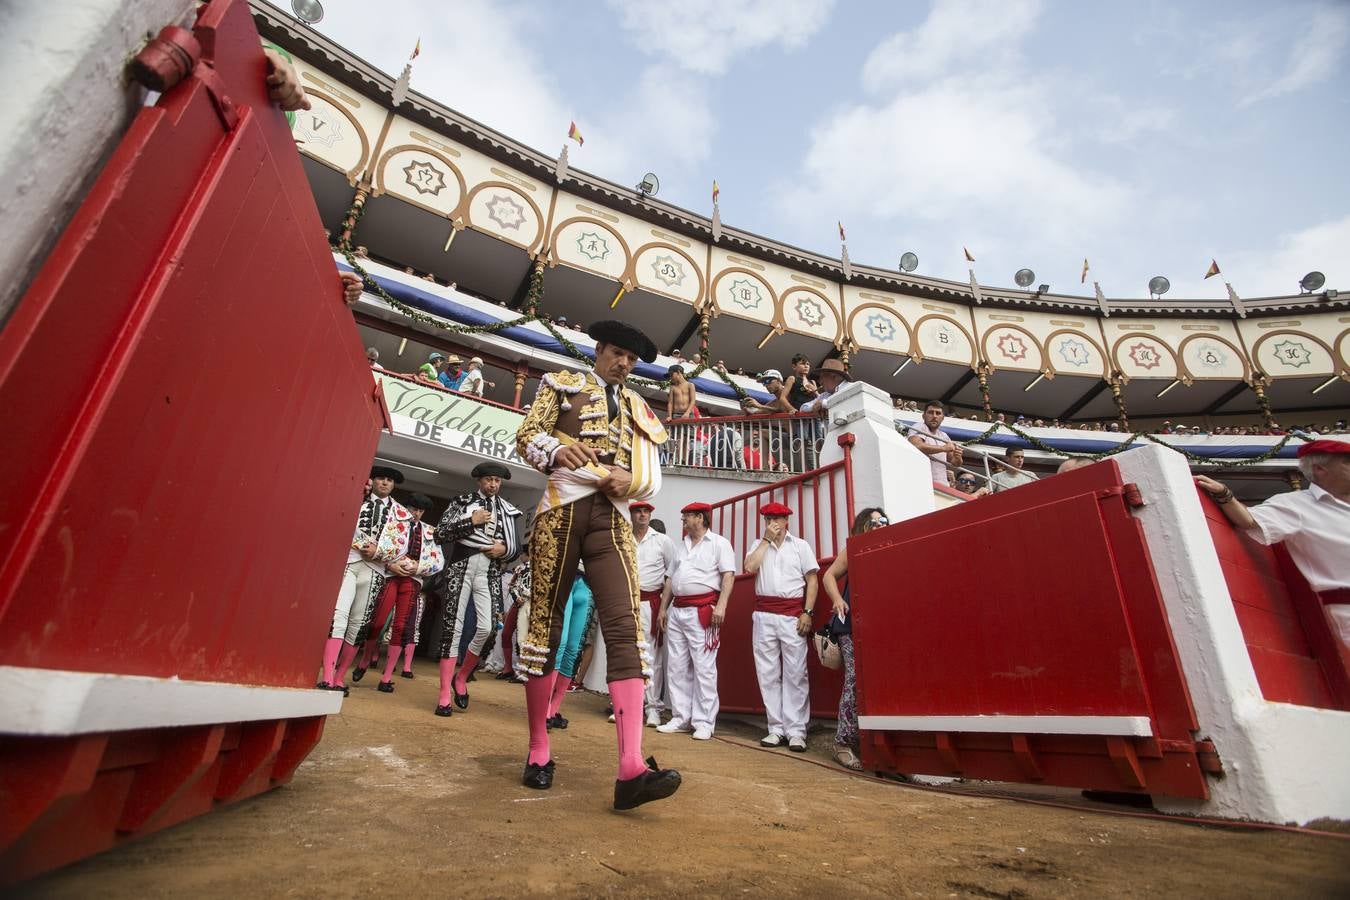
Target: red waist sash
[
  {"x": 783, "y": 606},
  {"x": 704, "y": 604},
  {"x": 1338, "y": 595},
  {"x": 653, "y": 599}
]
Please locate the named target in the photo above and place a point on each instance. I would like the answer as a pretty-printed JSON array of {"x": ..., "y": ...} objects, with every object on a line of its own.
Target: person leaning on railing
[
  {"x": 1313, "y": 524},
  {"x": 841, "y": 630}
]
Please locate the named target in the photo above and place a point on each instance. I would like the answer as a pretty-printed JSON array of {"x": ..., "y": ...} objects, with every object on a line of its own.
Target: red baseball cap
[
  {"x": 774, "y": 509},
  {"x": 1324, "y": 445}
]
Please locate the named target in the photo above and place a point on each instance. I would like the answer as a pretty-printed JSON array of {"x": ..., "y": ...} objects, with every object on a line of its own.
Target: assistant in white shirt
[
  {"x": 785, "y": 567},
  {"x": 655, "y": 559},
  {"x": 1315, "y": 526},
  {"x": 699, "y": 567}
]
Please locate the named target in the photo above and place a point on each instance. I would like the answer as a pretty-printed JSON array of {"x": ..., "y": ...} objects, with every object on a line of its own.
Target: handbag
[{"x": 827, "y": 649}]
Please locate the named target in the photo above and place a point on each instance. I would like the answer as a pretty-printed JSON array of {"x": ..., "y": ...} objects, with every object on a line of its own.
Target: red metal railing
[
  {"x": 821, "y": 500},
  {"x": 781, "y": 442}
]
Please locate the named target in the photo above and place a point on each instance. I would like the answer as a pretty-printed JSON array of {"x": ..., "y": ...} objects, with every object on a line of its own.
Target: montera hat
[
  {"x": 386, "y": 472},
  {"x": 1324, "y": 445},
  {"x": 484, "y": 469},
  {"x": 621, "y": 334},
  {"x": 775, "y": 509},
  {"x": 418, "y": 501},
  {"x": 835, "y": 366}
]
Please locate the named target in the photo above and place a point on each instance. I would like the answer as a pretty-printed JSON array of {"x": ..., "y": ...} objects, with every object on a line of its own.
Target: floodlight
[
  {"x": 1158, "y": 285},
  {"x": 649, "y": 185},
  {"x": 909, "y": 262},
  {"x": 1024, "y": 277},
  {"x": 1313, "y": 281},
  {"x": 1043, "y": 289},
  {"x": 308, "y": 11}
]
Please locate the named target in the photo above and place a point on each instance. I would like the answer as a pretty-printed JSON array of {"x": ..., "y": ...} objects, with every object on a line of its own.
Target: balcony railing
[{"x": 781, "y": 443}]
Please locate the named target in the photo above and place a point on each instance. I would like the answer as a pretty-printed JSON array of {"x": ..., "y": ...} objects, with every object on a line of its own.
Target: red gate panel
[
  {"x": 189, "y": 418},
  {"x": 1026, "y": 641}
]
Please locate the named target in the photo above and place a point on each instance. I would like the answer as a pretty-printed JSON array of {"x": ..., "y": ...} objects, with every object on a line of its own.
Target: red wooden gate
[
  {"x": 1026, "y": 642},
  {"x": 188, "y": 421}
]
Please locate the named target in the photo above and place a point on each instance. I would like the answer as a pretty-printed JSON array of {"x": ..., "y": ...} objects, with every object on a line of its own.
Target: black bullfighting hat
[
  {"x": 418, "y": 501},
  {"x": 621, "y": 334},
  {"x": 386, "y": 472},
  {"x": 484, "y": 469}
]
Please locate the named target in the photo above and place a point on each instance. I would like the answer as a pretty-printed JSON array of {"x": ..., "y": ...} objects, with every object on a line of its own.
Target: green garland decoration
[
  {"x": 1134, "y": 438},
  {"x": 531, "y": 306}
]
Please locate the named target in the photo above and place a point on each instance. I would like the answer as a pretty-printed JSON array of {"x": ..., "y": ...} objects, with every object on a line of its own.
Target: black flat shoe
[
  {"x": 385, "y": 687},
  {"x": 323, "y": 686},
  {"x": 461, "y": 700},
  {"x": 358, "y": 673},
  {"x": 538, "y": 777},
  {"x": 405, "y": 674},
  {"x": 446, "y": 710},
  {"x": 503, "y": 675},
  {"x": 653, "y": 784},
  {"x": 556, "y": 722}
]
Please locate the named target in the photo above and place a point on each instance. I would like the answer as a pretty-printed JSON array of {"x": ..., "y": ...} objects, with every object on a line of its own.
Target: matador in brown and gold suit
[{"x": 597, "y": 442}]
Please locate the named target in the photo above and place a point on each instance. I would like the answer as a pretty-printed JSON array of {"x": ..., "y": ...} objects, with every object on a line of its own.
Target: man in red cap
[
  {"x": 705, "y": 568},
  {"x": 1313, "y": 524},
  {"x": 655, "y": 563},
  {"x": 598, "y": 442},
  {"x": 785, "y": 570}
]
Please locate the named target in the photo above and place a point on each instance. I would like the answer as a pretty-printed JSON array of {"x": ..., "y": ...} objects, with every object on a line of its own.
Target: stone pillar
[{"x": 887, "y": 470}]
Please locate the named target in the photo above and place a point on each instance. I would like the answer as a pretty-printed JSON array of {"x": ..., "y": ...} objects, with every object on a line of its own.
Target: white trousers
[
  {"x": 780, "y": 663},
  {"x": 654, "y": 696},
  {"x": 691, "y": 671},
  {"x": 361, "y": 586},
  {"x": 474, "y": 589}
]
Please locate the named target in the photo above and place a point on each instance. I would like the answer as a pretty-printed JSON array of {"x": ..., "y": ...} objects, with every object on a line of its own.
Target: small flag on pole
[
  {"x": 716, "y": 191},
  {"x": 575, "y": 134},
  {"x": 1083, "y": 278},
  {"x": 841, "y": 231},
  {"x": 416, "y": 50},
  {"x": 969, "y": 258},
  {"x": 1213, "y": 269}
]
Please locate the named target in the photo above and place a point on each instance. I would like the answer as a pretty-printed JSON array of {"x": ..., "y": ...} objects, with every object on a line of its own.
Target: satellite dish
[
  {"x": 1024, "y": 277},
  {"x": 1158, "y": 285},
  {"x": 649, "y": 185},
  {"x": 908, "y": 262},
  {"x": 1313, "y": 281},
  {"x": 308, "y": 11}
]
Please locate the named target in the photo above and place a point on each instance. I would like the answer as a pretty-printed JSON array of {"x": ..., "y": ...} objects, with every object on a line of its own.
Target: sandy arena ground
[{"x": 397, "y": 802}]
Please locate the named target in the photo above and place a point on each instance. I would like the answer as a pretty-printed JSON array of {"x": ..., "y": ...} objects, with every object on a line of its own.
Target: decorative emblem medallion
[
  {"x": 506, "y": 212},
  {"x": 424, "y": 177},
  {"x": 1012, "y": 346},
  {"x": 668, "y": 270},
  {"x": 880, "y": 328},
  {"x": 1293, "y": 354},
  {"x": 1144, "y": 356},
  {"x": 944, "y": 335},
  {"x": 1074, "y": 352},
  {"x": 745, "y": 294},
  {"x": 592, "y": 246},
  {"x": 809, "y": 310},
  {"x": 1211, "y": 356},
  {"x": 318, "y": 127}
]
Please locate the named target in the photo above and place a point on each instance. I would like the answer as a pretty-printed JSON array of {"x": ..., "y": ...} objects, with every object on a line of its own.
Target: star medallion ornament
[
  {"x": 592, "y": 246},
  {"x": 506, "y": 212},
  {"x": 424, "y": 177}
]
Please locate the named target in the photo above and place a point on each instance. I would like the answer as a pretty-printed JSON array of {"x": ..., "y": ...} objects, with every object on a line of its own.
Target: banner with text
[{"x": 421, "y": 411}]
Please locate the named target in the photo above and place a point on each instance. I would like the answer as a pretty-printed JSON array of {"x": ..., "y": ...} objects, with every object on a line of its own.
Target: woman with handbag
[{"x": 841, "y": 633}]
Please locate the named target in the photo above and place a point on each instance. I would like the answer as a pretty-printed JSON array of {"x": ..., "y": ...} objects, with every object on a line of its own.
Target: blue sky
[{"x": 1147, "y": 137}]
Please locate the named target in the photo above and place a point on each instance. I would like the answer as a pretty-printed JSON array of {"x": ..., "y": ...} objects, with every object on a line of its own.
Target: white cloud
[
  {"x": 955, "y": 32},
  {"x": 664, "y": 119},
  {"x": 1314, "y": 58},
  {"x": 1324, "y": 247},
  {"x": 706, "y": 36}
]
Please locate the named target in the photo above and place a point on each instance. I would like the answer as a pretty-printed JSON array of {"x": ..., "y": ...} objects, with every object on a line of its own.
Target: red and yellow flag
[
  {"x": 416, "y": 50},
  {"x": 575, "y": 134},
  {"x": 716, "y": 190},
  {"x": 1083, "y": 278},
  {"x": 841, "y": 231},
  {"x": 969, "y": 258},
  {"x": 1213, "y": 269}
]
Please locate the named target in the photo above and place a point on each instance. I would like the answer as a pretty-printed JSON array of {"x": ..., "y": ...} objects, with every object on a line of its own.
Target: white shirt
[
  {"x": 1315, "y": 526},
  {"x": 472, "y": 383},
  {"x": 1011, "y": 478},
  {"x": 699, "y": 567},
  {"x": 784, "y": 568},
  {"x": 933, "y": 438},
  {"x": 655, "y": 559}
]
